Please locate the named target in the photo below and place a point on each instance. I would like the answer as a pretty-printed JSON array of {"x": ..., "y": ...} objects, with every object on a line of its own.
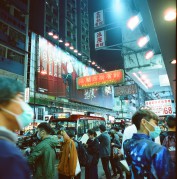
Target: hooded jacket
[
  {"x": 43, "y": 158},
  {"x": 12, "y": 164}
]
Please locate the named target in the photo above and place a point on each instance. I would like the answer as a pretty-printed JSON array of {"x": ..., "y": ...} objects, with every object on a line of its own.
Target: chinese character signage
[
  {"x": 125, "y": 90},
  {"x": 160, "y": 107},
  {"x": 101, "y": 79},
  {"x": 27, "y": 95},
  {"x": 98, "y": 18},
  {"x": 99, "y": 39}
]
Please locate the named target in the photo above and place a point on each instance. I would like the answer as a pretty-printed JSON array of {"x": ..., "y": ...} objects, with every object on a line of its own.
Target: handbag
[
  {"x": 78, "y": 168},
  {"x": 125, "y": 166},
  {"x": 116, "y": 152}
]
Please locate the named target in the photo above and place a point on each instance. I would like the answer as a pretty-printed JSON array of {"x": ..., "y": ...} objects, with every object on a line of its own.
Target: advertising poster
[{"x": 61, "y": 71}]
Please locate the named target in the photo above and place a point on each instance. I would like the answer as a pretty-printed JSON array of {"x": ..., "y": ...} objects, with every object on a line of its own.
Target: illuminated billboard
[{"x": 60, "y": 78}]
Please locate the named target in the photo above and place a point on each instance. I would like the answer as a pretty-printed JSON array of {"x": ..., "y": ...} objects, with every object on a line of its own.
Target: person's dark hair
[
  {"x": 92, "y": 132},
  {"x": 112, "y": 132},
  {"x": 45, "y": 126},
  {"x": 116, "y": 128},
  {"x": 102, "y": 127},
  {"x": 9, "y": 88},
  {"x": 71, "y": 133},
  {"x": 171, "y": 121},
  {"x": 143, "y": 113}
]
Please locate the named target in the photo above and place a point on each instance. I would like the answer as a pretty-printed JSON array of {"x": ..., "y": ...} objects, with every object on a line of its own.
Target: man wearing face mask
[
  {"x": 15, "y": 114},
  {"x": 146, "y": 158},
  {"x": 43, "y": 156}
]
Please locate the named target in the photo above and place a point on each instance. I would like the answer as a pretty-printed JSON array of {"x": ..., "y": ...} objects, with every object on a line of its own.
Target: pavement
[{"x": 101, "y": 174}]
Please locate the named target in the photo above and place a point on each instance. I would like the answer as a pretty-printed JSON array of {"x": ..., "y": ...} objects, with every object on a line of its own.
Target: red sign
[
  {"x": 101, "y": 79},
  {"x": 99, "y": 39}
]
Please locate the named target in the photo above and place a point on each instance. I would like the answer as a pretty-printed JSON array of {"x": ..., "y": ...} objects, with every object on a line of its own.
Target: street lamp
[{"x": 41, "y": 70}]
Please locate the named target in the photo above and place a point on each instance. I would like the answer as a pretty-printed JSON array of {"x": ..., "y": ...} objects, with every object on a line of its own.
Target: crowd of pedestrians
[{"x": 148, "y": 152}]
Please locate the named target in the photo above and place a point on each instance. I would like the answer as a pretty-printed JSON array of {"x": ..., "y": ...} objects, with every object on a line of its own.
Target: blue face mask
[
  {"x": 26, "y": 117},
  {"x": 155, "y": 133}
]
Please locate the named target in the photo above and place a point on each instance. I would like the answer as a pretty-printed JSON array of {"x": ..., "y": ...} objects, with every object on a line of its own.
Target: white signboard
[
  {"x": 99, "y": 39},
  {"x": 98, "y": 18},
  {"x": 160, "y": 107},
  {"x": 27, "y": 95}
]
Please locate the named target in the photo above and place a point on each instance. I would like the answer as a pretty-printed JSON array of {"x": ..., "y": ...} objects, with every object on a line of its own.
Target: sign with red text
[
  {"x": 98, "y": 18},
  {"x": 160, "y": 107},
  {"x": 99, "y": 39},
  {"x": 101, "y": 79}
]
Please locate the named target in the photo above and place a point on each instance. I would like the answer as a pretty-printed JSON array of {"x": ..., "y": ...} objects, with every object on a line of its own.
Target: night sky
[{"x": 108, "y": 59}]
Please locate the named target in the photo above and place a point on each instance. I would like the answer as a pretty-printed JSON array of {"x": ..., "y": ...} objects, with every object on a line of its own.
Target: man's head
[
  {"x": 91, "y": 134},
  {"x": 171, "y": 122},
  {"x": 145, "y": 121},
  {"x": 44, "y": 129},
  {"x": 102, "y": 128},
  {"x": 71, "y": 133},
  {"x": 14, "y": 112}
]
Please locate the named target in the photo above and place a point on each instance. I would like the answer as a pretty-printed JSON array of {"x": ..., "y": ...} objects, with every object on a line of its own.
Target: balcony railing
[{"x": 12, "y": 20}]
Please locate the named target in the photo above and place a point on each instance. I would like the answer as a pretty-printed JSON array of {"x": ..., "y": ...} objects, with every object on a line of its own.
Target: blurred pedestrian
[
  {"x": 15, "y": 114},
  {"x": 114, "y": 159},
  {"x": 43, "y": 156},
  {"x": 105, "y": 150},
  {"x": 93, "y": 149},
  {"x": 168, "y": 139},
  {"x": 69, "y": 166},
  {"x": 146, "y": 158},
  {"x": 71, "y": 134}
]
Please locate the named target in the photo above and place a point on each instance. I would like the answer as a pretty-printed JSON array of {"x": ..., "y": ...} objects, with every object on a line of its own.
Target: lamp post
[{"x": 43, "y": 72}]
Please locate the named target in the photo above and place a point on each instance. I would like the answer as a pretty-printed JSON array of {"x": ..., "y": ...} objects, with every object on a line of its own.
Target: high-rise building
[
  {"x": 62, "y": 20},
  {"x": 14, "y": 20}
]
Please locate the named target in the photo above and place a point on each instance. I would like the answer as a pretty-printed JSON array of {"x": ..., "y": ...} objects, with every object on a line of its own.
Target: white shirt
[{"x": 128, "y": 133}]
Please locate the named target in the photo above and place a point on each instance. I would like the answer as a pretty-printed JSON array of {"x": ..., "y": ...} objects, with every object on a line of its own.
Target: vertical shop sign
[
  {"x": 99, "y": 39},
  {"x": 98, "y": 18},
  {"x": 27, "y": 95}
]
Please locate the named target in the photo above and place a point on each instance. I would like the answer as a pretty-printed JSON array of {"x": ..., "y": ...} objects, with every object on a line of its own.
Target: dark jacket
[
  {"x": 12, "y": 164},
  {"x": 93, "y": 149},
  {"x": 116, "y": 144},
  {"x": 104, "y": 147},
  {"x": 43, "y": 158},
  {"x": 166, "y": 133}
]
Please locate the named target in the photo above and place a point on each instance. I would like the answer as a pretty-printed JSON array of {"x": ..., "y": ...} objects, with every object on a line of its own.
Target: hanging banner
[
  {"x": 160, "y": 107},
  {"x": 98, "y": 18},
  {"x": 100, "y": 39},
  {"x": 101, "y": 79}
]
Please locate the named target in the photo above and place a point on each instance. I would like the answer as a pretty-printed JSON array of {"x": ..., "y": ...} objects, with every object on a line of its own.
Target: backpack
[
  {"x": 85, "y": 158},
  {"x": 170, "y": 143}
]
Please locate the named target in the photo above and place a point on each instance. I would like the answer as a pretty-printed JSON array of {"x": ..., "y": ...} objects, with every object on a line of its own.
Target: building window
[
  {"x": 2, "y": 51},
  {"x": 16, "y": 36},
  {"x": 3, "y": 28},
  {"x": 15, "y": 56}
]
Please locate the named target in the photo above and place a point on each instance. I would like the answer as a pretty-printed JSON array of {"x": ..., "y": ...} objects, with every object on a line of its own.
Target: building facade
[{"x": 14, "y": 20}]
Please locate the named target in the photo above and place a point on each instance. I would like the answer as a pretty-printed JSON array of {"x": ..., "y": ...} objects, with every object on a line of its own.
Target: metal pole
[
  {"x": 34, "y": 101},
  {"x": 121, "y": 108}
]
